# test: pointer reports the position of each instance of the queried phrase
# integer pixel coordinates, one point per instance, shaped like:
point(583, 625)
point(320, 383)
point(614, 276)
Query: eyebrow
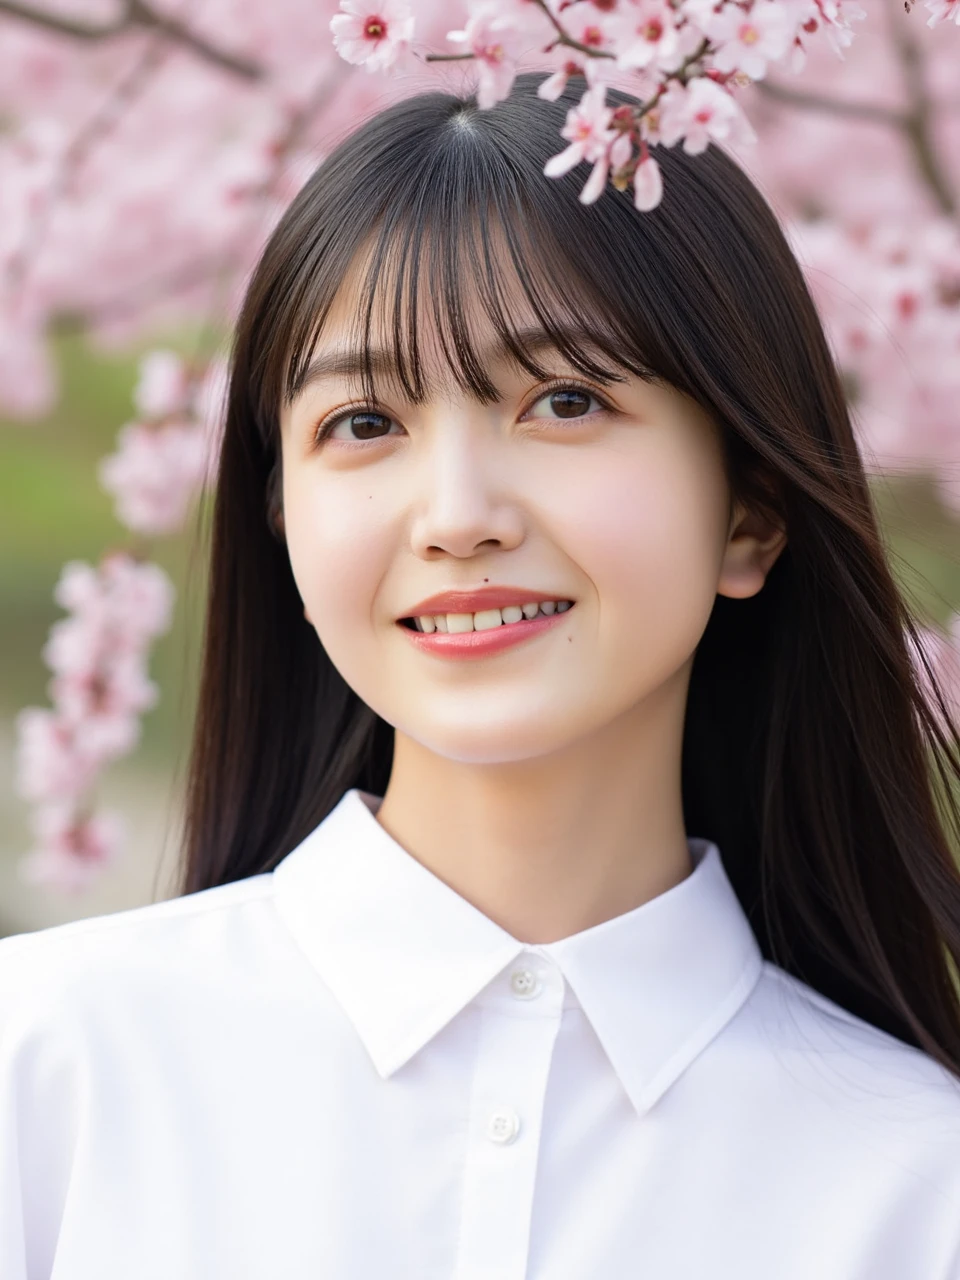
point(349, 363)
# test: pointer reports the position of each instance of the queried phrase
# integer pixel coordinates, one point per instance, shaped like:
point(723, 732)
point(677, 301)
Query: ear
point(753, 546)
point(276, 525)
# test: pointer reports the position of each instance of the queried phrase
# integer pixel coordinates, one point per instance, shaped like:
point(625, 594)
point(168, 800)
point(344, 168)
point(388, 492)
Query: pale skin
point(541, 783)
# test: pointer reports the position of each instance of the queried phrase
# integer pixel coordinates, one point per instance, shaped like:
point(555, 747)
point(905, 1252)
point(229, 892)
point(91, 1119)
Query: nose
point(466, 504)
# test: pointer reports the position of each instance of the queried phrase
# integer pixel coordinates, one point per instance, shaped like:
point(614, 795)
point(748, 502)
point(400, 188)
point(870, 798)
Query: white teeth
point(457, 622)
point(487, 619)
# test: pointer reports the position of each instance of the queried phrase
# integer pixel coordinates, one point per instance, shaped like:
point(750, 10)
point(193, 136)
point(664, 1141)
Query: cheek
point(649, 535)
point(334, 539)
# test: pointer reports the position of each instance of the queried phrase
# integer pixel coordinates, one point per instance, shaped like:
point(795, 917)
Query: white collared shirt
point(342, 1070)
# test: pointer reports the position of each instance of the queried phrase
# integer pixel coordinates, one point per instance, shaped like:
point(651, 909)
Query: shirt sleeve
point(40, 1109)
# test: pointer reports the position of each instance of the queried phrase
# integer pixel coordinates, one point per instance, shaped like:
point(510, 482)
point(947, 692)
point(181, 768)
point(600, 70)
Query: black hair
point(812, 754)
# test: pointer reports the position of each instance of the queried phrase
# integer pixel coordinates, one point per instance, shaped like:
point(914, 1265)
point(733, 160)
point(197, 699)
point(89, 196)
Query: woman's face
point(613, 497)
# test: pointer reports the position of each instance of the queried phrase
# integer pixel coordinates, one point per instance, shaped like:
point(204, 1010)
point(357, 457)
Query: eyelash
point(326, 427)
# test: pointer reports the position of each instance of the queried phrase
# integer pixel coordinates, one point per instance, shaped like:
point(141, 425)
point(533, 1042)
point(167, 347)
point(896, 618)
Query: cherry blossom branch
point(99, 655)
point(918, 125)
point(136, 14)
point(564, 38)
point(688, 57)
point(915, 123)
point(259, 195)
point(873, 113)
point(124, 93)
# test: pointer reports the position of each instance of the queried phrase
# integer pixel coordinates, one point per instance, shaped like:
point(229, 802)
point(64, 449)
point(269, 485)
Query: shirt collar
point(403, 953)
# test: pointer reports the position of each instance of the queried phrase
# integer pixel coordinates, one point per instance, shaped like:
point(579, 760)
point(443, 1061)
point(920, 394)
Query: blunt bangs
point(453, 244)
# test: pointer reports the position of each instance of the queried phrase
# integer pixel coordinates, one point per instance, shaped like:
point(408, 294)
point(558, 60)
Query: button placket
point(514, 1050)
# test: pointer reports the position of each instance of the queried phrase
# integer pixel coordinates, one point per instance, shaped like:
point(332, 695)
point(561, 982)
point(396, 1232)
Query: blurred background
point(145, 154)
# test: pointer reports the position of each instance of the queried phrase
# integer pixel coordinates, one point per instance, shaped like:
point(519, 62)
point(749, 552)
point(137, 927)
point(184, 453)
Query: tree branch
point(871, 112)
point(915, 123)
point(919, 122)
point(64, 26)
point(135, 14)
point(124, 93)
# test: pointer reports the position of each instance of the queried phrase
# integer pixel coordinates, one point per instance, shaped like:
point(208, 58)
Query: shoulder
point(804, 1016)
point(836, 1068)
point(59, 968)
point(842, 1099)
point(841, 1116)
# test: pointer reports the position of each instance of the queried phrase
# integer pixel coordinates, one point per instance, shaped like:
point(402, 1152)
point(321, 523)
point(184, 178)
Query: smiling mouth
point(412, 625)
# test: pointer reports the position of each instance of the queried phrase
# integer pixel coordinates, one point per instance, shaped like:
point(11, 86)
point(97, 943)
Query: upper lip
point(482, 598)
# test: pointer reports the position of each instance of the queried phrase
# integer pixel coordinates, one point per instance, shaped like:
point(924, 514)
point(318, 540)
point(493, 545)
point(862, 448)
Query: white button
point(503, 1126)
point(525, 984)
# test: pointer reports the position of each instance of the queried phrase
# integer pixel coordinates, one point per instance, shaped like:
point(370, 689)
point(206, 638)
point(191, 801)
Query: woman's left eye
point(568, 400)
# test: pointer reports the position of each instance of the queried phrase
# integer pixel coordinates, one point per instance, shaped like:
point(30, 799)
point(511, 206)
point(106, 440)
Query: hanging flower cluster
point(687, 57)
point(167, 455)
point(99, 653)
point(98, 689)
point(895, 329)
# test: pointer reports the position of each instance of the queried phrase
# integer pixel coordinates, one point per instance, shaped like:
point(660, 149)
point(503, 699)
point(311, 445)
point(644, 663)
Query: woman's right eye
point(364, 424)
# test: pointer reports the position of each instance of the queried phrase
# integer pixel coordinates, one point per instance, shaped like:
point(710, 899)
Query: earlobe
point(750, 554)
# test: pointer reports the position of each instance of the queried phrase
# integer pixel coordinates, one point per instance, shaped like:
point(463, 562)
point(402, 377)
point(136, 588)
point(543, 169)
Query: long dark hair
point(813, 754)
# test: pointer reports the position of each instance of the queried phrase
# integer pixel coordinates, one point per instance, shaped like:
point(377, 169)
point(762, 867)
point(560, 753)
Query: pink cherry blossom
point(78, 586)
point(163, 388)
point(834, 18)
point(47, 763)
point(554, 85)
point(646, 34)
point(140, 597)
point(588, 129)
point(155, 474)
point(700, 113)
point(747, 41)
point(496, 49)
point(647, 185)
point(895, 326)
point(100, 684)
point(615, 156)
point(943, 11)
point(72, 850)
point(374, 35)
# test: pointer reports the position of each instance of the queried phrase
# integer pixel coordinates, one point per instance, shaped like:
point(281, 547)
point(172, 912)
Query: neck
point(548, 847)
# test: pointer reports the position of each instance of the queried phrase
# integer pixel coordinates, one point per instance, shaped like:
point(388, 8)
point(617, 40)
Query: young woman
point(569, 886)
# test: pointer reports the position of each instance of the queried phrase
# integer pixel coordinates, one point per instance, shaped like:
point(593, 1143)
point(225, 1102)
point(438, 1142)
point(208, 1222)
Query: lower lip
point(477, 644)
